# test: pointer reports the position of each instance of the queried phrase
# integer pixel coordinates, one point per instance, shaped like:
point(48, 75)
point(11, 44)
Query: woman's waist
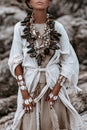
point(42, 79)
point(41, 68)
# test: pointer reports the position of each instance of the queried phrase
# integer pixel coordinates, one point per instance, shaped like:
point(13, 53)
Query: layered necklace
point(49, 39)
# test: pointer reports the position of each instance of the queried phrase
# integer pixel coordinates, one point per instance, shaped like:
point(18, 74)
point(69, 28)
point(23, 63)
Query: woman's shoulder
point(18, 27)
point(57, 23)
point(59, 26)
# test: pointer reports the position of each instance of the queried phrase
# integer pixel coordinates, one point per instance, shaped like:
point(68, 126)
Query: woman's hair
point(26, 2)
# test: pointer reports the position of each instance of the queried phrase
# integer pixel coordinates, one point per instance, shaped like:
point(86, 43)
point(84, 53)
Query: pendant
point(34, 32)
point(50, 38)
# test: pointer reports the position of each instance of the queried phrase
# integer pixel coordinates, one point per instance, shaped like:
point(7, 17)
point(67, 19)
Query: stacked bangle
point(52, 96)
point(61, 80)
point(20, 82)
point(19, 77)
point(27, 101)
point(23, 87)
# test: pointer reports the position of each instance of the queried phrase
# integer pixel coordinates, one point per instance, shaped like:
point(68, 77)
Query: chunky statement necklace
point(49, 39)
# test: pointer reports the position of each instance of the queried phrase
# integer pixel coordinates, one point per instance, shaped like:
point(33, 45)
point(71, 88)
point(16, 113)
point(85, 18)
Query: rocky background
point(73, 15)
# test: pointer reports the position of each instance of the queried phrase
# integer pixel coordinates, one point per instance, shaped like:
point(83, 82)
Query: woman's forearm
point(59, 84)
point(56, 89)
point(19, 71)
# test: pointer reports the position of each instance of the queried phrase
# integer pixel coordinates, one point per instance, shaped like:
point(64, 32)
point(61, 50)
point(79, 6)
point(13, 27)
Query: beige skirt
point(29, 119)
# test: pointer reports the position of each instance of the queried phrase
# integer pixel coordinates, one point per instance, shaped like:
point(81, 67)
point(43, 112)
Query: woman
point(45, 66)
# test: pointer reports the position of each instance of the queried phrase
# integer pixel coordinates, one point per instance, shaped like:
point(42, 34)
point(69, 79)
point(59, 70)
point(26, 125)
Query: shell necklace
point(49, 39)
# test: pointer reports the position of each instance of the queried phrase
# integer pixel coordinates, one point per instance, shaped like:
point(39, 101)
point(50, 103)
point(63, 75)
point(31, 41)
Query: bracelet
point(61, 80)
point(30, 99)
point(20, 83)
point(27, 101)
point(55, 98)
point(23, 87)
point(19, 77)
point(52, 96)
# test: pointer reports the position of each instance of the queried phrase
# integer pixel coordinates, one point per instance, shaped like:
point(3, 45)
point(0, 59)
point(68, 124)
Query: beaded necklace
point(49, 39)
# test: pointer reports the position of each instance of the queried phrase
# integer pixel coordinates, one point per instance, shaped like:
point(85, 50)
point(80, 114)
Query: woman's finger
point(27, 109)
point(47, 98)
point(31, 109)
point(33, 104)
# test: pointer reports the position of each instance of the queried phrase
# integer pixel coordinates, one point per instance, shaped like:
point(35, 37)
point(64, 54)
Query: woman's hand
point(53, 95)
point(28, 104)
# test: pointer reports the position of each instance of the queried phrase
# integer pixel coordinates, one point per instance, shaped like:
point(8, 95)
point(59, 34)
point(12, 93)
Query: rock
point(6, 33)
point(83, 67)
point(6, 121)
point(82, 77)
point(11, 15)
point(8, 86)
point(84, 118)
point(66, 21)
point(80, 37)
point(2, 50)
point(79, 100)
point(5, 55)
point(74, 8)
point(5, 40)
point(84, 62)
point(8, 105)
point(77, 32)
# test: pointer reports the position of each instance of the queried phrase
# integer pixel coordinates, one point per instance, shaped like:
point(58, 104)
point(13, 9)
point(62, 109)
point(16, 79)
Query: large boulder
point(77, 32)
point(10, 15)
point(79, 100)
point(8, 105)
point(8, 86)
point(80, 37)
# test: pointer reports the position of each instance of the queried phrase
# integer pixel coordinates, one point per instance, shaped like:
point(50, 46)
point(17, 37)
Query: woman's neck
point(40, 16)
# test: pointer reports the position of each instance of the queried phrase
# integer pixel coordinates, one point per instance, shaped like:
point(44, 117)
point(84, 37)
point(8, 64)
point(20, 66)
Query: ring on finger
point(55, 98)
point(51, 103)
point(30, 108)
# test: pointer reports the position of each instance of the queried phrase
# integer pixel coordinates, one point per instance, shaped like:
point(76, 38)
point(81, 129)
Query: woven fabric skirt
point(29, 119)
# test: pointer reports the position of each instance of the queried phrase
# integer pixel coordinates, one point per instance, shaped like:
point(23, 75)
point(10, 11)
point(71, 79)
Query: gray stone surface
point(75, 23)
point(8, 86)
